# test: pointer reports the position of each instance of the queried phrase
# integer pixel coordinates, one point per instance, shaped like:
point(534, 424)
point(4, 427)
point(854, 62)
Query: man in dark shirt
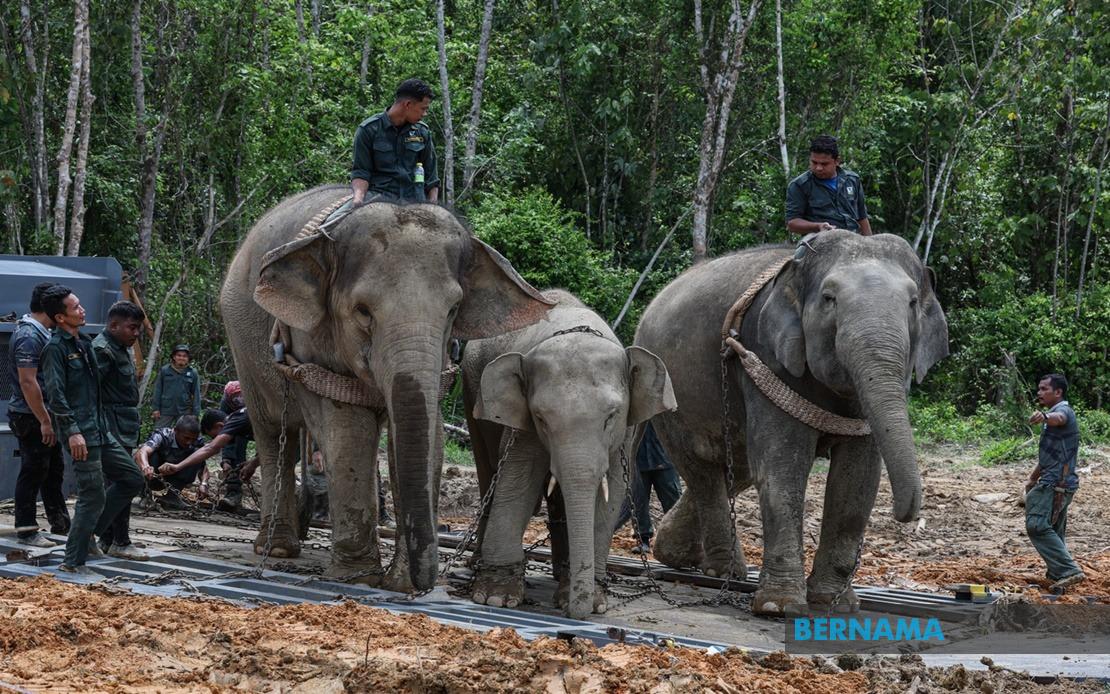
point(177, 389)
point(73, 395)
point(222, 430)
point(119, 392)
point(41, 467)
point(1053, 482)
point(653, 471)
point(165, 448)
point(234, 454)
point(393, 152)
point(827, 196)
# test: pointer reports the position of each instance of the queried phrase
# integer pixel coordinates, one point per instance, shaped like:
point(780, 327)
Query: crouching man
point(222, 429)
point(166, 448)
point(73, 392)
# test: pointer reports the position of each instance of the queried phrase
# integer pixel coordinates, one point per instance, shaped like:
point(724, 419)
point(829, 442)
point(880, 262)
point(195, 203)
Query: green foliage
point(1008, 450)
point(455, 453)
point(544, 244)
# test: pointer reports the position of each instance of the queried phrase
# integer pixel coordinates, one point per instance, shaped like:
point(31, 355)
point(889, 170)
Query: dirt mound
point(93, 639)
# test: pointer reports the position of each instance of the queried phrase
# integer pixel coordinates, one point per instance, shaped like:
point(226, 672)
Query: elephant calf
point(572, 395)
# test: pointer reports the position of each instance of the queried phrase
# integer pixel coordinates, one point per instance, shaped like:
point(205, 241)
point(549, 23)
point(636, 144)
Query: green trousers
point(95, 508)
point(1048, 537)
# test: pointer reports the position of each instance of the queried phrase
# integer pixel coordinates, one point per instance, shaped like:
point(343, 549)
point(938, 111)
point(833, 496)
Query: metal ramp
point(178, 574)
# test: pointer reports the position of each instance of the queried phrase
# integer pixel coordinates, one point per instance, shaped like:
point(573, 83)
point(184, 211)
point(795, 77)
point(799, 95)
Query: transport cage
point(95, 280)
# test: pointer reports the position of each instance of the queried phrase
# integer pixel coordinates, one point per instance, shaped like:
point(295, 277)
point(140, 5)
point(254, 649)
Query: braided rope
point(312, 226)
point(348, 389)
point(782, 395)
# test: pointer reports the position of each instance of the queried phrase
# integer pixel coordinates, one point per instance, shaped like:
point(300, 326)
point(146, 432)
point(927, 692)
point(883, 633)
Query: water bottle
point(418, 176)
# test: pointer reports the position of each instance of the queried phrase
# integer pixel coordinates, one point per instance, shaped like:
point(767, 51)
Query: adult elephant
point(558, 400)
point(844, 324)
point(373, 300)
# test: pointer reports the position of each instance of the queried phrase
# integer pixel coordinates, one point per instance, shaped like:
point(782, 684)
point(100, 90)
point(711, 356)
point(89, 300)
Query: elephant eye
point(362, 309)
point(913, 302)
point(829, 298)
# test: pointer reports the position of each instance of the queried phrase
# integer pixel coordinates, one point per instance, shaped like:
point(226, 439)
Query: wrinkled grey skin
point(379, 303)
point(845, 326)
point(568, 404)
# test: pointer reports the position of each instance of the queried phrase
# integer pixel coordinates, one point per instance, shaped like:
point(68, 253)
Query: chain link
point(280, 463)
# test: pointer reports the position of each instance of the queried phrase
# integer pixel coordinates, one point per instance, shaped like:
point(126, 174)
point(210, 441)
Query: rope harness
point(782, 395)
point(318, 379)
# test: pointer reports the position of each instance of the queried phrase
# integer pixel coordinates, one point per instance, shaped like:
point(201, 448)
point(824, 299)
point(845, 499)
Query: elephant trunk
point(878, 360)
point(412, 364)
point(581, 489)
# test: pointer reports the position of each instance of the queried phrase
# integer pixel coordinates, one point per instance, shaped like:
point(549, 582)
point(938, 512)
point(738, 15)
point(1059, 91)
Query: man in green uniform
point(393, 153)
point(119, 394)
point(827, 196)
point(73, 393)
point(177, 390)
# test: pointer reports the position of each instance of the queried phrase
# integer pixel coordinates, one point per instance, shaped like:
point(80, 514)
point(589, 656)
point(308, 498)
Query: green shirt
point(119, 392)
point(73, 388)
point(177, 392)
point(385, 156)
point(809, 199)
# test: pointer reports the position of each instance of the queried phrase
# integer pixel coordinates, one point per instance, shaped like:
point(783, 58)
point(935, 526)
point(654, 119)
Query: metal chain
point(487, 499)
point(848, 581)
point(282, 441)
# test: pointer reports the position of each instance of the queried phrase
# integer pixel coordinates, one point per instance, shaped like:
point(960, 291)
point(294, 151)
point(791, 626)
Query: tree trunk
point(314, 8)
point(653, 156)
point(721, 81)
point(61, 198)
point(475, 116)
point(364, 64)
point(782, 92)
point(40, 178)
point(447, 176)
point(77, 220)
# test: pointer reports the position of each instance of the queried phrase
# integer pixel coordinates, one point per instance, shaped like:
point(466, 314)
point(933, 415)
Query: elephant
point(556, 402)
point(375, 298)
point(844, 324)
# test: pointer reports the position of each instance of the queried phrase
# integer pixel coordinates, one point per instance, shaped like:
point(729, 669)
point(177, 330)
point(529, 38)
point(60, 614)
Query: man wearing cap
point(393, 152)
point(177, 390)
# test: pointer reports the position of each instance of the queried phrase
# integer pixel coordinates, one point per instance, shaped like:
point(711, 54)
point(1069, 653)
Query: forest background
point(602, 145)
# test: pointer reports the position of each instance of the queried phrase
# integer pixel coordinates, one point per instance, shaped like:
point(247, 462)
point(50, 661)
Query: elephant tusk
point(605, 489)
point(551, 486)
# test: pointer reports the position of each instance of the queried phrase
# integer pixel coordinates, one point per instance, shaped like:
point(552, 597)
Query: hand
point(148, 471)
point(1029, 484)
point(46, 431)
point(202, 491)
point(226, 467)
point(825, 226)
point(1037, 417)
point(247, 471)
point(318, 462)
point(168, 468)
point(157, 414)
point(77, 448)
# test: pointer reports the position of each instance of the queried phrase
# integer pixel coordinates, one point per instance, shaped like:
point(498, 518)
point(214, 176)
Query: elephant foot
point(677, 555)
point(499, 586)
point(367, 572)
point(562, 598)
point(719, 565)
point(773, 601)
point(397, 578)
point(283, 544)
point(833, 600)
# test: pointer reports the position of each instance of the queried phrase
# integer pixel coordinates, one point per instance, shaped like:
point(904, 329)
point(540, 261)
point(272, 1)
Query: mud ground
point(57, 637)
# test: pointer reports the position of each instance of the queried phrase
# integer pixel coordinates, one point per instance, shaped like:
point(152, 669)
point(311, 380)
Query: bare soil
point(55, 636)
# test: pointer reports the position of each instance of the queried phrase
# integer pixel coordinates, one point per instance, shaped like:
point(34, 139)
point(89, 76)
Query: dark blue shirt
point(163, 443)
point(1060, 446)
point(26, 347)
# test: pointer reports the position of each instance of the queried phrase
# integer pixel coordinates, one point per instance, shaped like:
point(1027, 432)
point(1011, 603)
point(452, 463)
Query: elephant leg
point(485, 438)
point(781, 462)
point(560, 543)
point(606, 515)
point(344, 434)
point(850, 493)
point(500, 578)
point(678, 536)
point(277, 536)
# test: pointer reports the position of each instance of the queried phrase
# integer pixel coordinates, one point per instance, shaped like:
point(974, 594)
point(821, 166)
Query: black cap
point(181, 348)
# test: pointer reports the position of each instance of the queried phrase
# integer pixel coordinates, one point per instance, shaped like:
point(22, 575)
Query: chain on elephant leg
point(354, 562)
point(499, 586)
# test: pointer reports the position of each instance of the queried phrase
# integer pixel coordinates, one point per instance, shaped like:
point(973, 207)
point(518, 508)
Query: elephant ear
point(497, 299)
point(293, 282)
point(932, 335)
point(649, 386)
point(780, 321)
point(501, 397)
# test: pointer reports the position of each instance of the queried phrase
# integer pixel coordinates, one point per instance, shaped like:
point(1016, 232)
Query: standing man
point(827, 196)
point(177, 389)
point(653, 471)
point(234, 453)
point(41, 466)
point(120, 399)
point(1053, 482)
point(393, 153)
point(73, 396)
